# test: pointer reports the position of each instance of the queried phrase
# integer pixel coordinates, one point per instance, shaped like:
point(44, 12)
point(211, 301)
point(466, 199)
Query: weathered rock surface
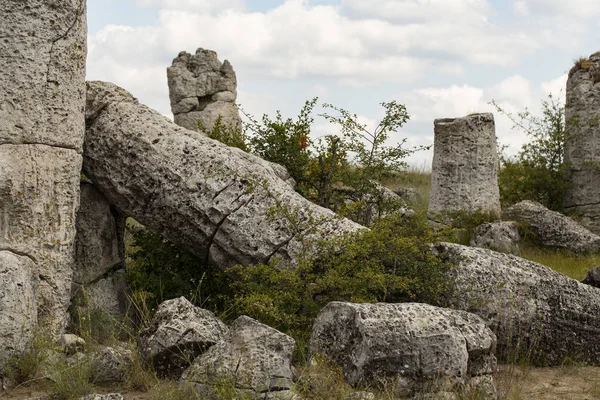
point(100, 252)
point(502, 236)
point(552, 229)
point(411, 343)
point(18, 316)
point(593, 277)
point(42, 75)
point(256, 357)
point(179, 333)
point(110, 396)
point(111, 364)
point(465, 166)
point(214, 200)
point(201, 89)
point(525, 302)
point(582, 144)
point(71, 344)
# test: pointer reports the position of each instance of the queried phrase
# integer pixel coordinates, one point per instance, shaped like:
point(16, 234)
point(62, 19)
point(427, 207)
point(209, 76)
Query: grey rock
point(208, 198)
point(179, 333)
point(409, 194)
point(465, 166)
point(100, 253)
point(281, 395)
point(411, 343)
point(582, 144)
point(552, 229)
point(525, 302)
point(111, 364)
point(71, 344)
point(254, 356)
point(111, 396)
point(42, 76)
point(18, 316)
point(361, 396)
point(593, 277)
point(201, 89)
point(502, 236)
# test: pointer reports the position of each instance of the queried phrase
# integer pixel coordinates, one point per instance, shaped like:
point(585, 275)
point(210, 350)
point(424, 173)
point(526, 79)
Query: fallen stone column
point(201, 89)
point(42, 92)
point(100, 249)
point(218, 202)
point(529, 307)
point(582, 142)
point(465, 166)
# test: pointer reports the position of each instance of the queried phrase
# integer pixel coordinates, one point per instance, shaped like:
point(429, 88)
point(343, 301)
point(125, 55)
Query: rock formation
point(465, 166)
point(415, 345)
point(526, 304)
point(201, 89)
point(254, 357)
point(502, 236)
point(552, 229)
point(582, 143)
point(218, 202)
point(100, 250)
point(42, 76)
point(179, 333)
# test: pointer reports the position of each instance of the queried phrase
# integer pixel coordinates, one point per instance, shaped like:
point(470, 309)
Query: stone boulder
point(412, 344)
point(179, 333)
point(100, 252)
point(111, 364)
point(502, 236)
point(593, 277)
point(42, 76)
point(552, 229)
point(201, 89)
point(255, 357)
point(526, 304)
point(220, 203)
point(464, 174)
point(582, 144)
point(70, 344)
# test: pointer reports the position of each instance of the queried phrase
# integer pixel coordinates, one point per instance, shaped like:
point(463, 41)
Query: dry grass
point(580, 63)
point(418, 178)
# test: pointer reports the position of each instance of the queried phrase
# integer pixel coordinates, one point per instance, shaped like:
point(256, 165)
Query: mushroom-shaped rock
point(255, 356)
point(552, 229)
point(526, 302)
point(412, 343)
point(179, 333)
point(220, 203)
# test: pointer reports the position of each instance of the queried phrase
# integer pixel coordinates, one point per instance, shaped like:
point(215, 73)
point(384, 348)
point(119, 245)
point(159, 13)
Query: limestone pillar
point(465, 166)
point(42, 98)
point(201, 88)
point(582, 144)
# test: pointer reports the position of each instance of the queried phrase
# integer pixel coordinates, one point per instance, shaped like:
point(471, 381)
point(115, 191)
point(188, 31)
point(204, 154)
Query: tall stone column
point(465, 166)
point(201, 89)
point(582, 144)
point(42, 98)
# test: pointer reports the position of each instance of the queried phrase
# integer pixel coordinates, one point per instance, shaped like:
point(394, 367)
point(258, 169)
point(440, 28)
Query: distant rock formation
point(582, 143)
point(42, 97)
point(201, 89)
point(100, 250)
point(220, 203)
point(465, 166)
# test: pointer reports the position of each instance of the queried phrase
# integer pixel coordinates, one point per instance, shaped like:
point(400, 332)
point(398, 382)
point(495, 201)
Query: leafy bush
point(227, 134)
point(538, 172)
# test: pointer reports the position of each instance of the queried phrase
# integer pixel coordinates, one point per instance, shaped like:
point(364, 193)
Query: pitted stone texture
point(500, 236)
point(39, 195)
point(179, 333)
point(211, 199)
point(111, 364)
point(465, 166)
point(108, 294)
point(413, 343)
point(255, 356)
point(201, 89)
point(552, 229)
point(18, 314)
point(582, 143)
point(593, 277)
point(42, 72)
point(525, 301)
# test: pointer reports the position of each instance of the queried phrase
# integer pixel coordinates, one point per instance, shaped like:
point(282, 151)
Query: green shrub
point(70, 380)
point(227, 134)
point(24, 366)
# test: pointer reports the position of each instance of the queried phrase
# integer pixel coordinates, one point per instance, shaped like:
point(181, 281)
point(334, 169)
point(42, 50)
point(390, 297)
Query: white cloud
point(203, 6)
point(580, 8)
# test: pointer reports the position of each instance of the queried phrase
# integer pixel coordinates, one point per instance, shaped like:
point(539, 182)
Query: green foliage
point(464, 222)
point(227, 134)
point(24, 366)
point(392, 262)
point(538, 172)
point(157, 270)
point(92, 323)
point(70, 380)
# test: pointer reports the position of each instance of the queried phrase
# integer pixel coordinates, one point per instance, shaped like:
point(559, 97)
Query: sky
point(440, 58)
